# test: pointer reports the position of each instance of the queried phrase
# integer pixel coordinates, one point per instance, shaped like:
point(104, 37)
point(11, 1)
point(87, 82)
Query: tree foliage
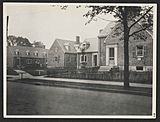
point(134, 14)
point(18, 41)
point(128, 17)
point(38, 44)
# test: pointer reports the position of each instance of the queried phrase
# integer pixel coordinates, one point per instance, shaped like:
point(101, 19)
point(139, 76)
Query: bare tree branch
point(140, 17)
point(142, 29)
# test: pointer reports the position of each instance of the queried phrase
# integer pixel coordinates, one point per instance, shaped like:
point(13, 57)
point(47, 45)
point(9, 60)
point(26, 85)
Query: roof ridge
point(60, 46)
point(64, 40)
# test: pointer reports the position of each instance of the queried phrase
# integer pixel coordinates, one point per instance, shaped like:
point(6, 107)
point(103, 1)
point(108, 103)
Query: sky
point(45, 23)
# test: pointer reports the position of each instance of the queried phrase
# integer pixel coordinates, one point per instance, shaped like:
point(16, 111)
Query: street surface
point(26, 99)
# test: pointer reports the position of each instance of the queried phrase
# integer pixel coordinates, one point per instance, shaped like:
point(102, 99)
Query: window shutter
point(145, 51)
point(85, 58)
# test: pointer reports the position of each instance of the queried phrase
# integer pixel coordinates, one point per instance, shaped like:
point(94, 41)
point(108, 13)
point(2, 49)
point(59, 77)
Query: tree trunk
point(126, 52)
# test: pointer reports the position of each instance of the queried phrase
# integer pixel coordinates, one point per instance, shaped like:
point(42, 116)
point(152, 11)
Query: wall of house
point(89, 59)
point(102, 51)
point(55, 56)
point(134, 61)
point(70, 60)
point(29, 62)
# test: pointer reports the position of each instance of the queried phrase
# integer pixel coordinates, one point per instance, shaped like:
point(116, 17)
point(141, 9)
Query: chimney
point(77, 39)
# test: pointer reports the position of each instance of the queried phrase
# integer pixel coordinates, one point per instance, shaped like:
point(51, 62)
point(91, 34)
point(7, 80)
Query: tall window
point(140, 51)
point(27, 53)
point(17, 52)
point(68, 58)
point(29, 61)
point(83, 58)
point(111, 53)
point(36, 53)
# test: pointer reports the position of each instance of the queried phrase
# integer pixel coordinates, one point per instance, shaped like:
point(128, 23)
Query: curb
point(88, 86)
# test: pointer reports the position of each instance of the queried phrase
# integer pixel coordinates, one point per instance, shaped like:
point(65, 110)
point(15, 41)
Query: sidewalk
point(117, 83)
point(106, 86)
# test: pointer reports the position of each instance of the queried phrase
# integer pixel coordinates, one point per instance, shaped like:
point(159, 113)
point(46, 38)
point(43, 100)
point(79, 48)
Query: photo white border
point(153, 116)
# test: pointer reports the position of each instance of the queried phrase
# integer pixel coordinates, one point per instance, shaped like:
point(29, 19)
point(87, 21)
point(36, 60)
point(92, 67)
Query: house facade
point(111, 49)
point(21, 57)
point(63, 54)
point(89, 56)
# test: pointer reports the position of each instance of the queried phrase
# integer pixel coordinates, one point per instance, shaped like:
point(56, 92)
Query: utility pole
point(7, 28)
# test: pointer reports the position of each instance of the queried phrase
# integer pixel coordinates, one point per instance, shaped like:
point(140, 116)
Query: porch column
point(115, 53)
point(107, 56)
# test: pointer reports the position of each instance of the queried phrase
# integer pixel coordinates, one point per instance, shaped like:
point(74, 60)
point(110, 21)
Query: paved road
point(26, 99)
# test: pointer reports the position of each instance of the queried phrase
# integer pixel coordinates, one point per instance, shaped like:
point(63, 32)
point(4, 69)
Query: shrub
point(10, 71)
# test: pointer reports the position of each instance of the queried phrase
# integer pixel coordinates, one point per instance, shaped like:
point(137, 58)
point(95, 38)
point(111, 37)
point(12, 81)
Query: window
point(56, 58)
point(83, 58)
point(140, 51)
point(28, 53)
point(36, 53)
point(68, 58)
point(67, 46)
point(37, 61)
point(111, 53)
point(29, 61)
point(45, 54)
point(139, 68)
point(17, 52)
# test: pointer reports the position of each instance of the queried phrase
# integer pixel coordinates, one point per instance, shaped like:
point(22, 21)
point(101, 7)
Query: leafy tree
point(38, 44)
point(128, 16)
point(18, 41)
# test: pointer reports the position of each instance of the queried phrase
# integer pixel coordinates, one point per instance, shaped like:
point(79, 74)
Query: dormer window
point(17, 52)
point(36, 53)
point(45, 54)
point(28, 53)
point(67, 46)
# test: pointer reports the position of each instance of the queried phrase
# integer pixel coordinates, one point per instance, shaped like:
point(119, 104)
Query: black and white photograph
point(79, 60)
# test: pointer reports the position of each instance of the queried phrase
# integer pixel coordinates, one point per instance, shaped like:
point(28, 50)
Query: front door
point(94, 60)
point(111, 56)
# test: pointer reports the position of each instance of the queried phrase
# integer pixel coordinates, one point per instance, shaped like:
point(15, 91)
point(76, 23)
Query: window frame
point(29, 61)
point(28, 53)
point(138, 51)
point(36, 53)
point(139, 69)
point(113, 57)
point(84, 58)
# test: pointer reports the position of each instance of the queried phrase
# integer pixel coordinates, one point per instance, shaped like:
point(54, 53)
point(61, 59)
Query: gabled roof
point(107, 30)
point(110, 27)
point(93, 44)
point(23, 49)
point(62, 44)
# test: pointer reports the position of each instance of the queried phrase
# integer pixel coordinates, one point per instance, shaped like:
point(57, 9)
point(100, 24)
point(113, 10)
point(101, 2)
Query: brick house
point(22, 57)
point(63, 54)
point(90, 53)
point(111, 49)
